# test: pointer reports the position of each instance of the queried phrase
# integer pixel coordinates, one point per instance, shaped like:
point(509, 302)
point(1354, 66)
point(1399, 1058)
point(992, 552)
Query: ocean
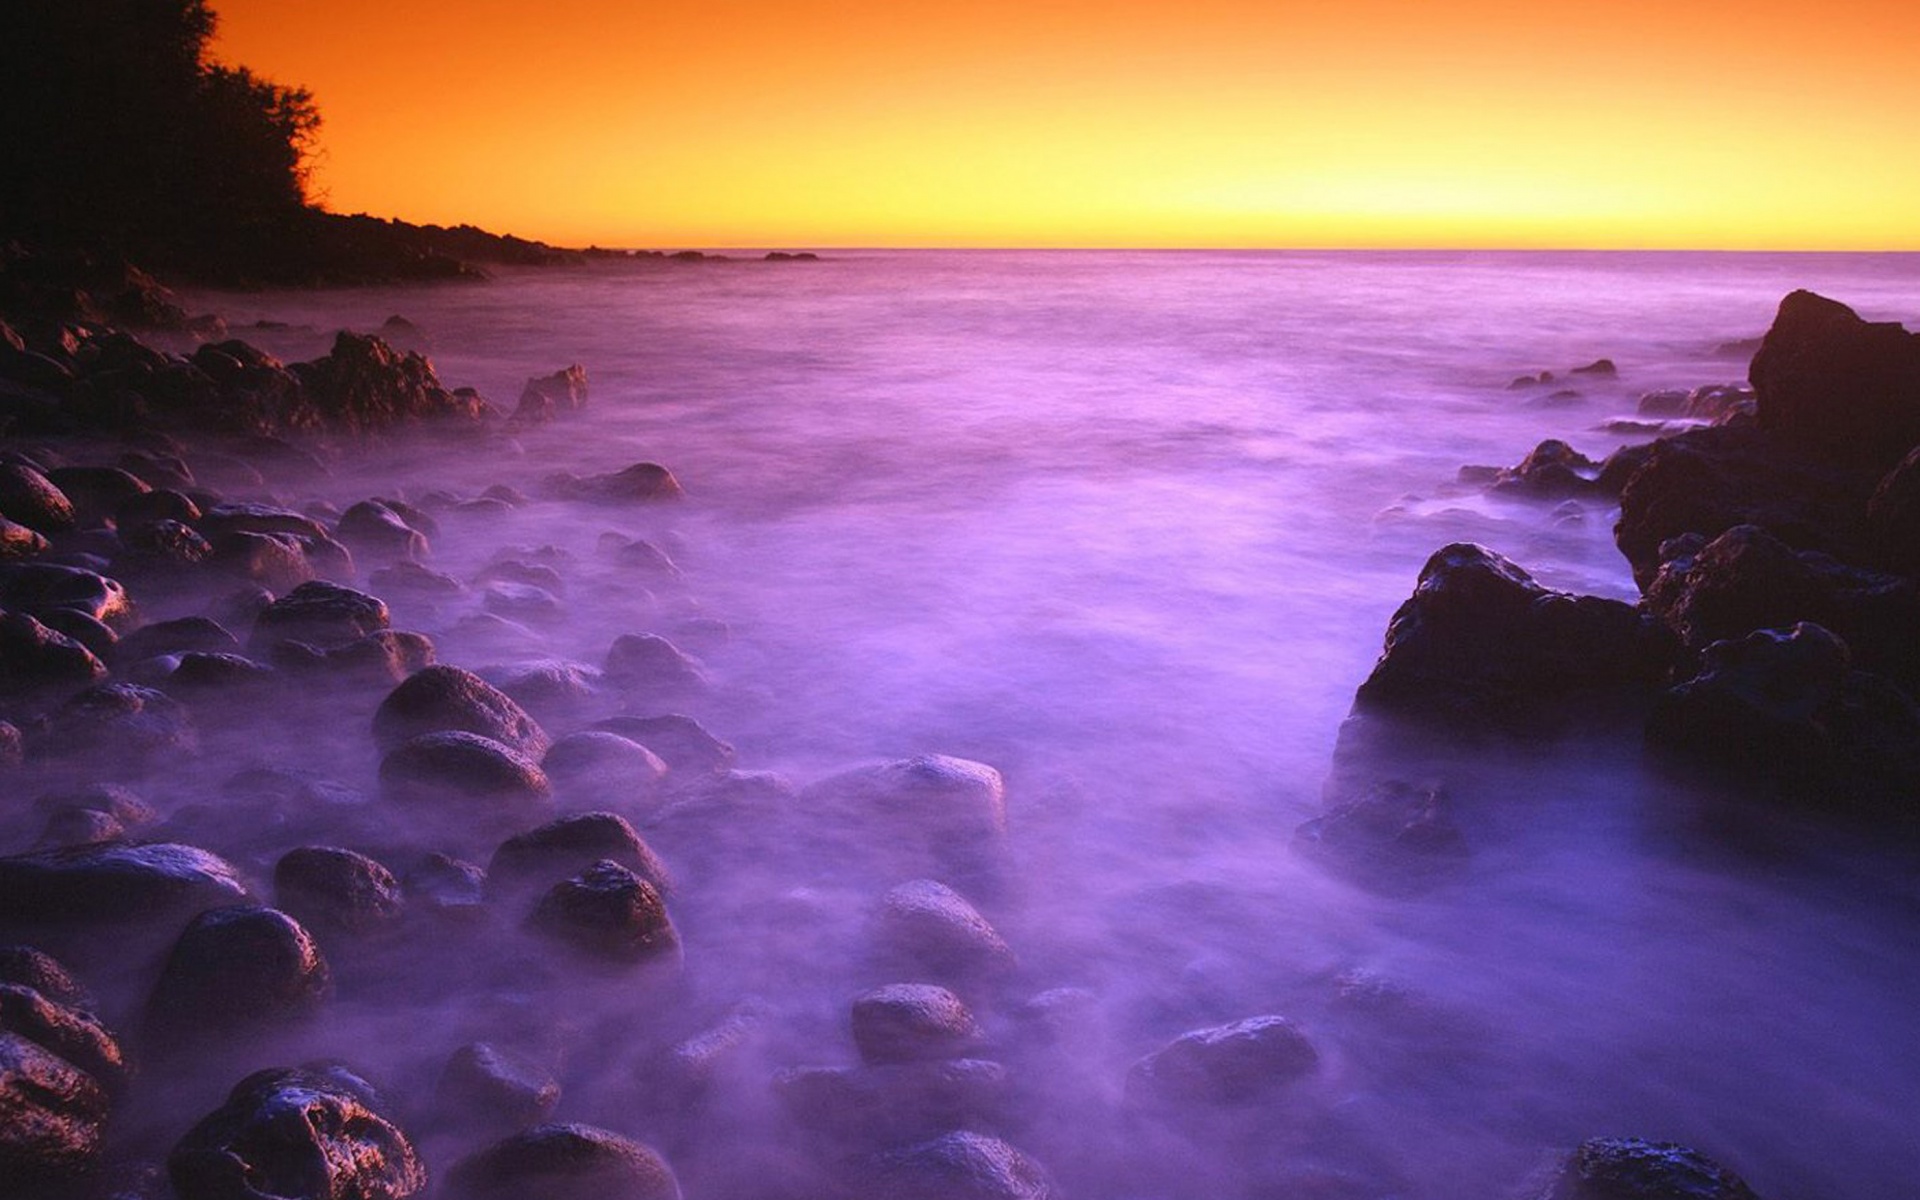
point(1129, 527)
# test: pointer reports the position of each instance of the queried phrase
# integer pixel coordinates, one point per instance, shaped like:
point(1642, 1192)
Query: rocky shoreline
point(264, 823)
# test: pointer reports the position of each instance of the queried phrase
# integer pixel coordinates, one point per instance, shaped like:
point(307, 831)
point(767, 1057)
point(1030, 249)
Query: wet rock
point(962, 1165)
point(1480, 643)
point(17, 542)
point(680, 741)
point(641, 483)
point(97, 492)
point(1551, 469)
point(568, 846)
point(235, 971)
point(166, 550)
point(12, 746)
point(331, 890)
point(80, 827)
point(134, 728)
point(645, 662)
point(29, 498)
point(907, 1022)
point(1837, 385)
point(928, 930)
point(36, 660)
point(1719, 402)
point(486, 1087)
point(640, 556)
point(276, 561)
point(611, 914)
point(595, 763)
point(1225, 1064)
point(888, 1105)
point(376, 530)
point(295, 1133)
point(442, 698)
point(1602, 367)
point(411, 579)
point(522, 602)
point(126, 809)
point(547, 396)
point(1631, 1169)
point(52, 1116)
point(564, 1162)
point(241, 517)
point(685, 1075)
point(68, 1032)
point(114, 884)
point(447, 885)
point(95, 635)
point(1893, 516)
point(200, 677)
point(320, 614)
point(552, 691)
point(182, 636)
point(378, 660)
point(467, 776)
point(935, 792)
point(1391, 834)
point(364, 386)
point(36, 969)
point(37, 587)
point(1668, 402)
point(159, 505)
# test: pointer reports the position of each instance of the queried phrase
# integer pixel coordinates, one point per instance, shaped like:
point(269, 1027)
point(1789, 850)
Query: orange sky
point(671, 123)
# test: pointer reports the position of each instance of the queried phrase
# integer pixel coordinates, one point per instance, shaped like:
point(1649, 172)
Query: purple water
point(1129, 527)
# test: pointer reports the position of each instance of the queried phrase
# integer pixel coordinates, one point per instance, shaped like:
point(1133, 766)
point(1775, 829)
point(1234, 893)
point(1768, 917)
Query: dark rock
point(52, 1116)
point(443, 698)
point(12, 746)
point(550, 690)
point(157, 471)
point(1706, 481)
point(485, 1087)
point(907, 1022)
point(36, 969)
point(564, 1162)
point(446, 885)
point(137, 728)
point(182, 636)
point(320, 614)
point(97, 492)
point(364, 386)
point(568, 846)
point(1668, 402)
point(680, 741)
point(544, 397)
point(201, 676)
point(374, 529)
point(650, 663)
point(1631, 1169)
point(94, 634)
point(902, 1102)
point(928, 815)
point(597, 763)
point(468, 777)
point(277, 561)
point(80, 827)
point(121, 884)
point(609, 913)
point(641, 556)
point(641, 483)
point(1551, 469)
point(1226, 1064)
point(522, 602)
point(331, 890)
point(30, 498)
point(1834, 384)
point(1391, 834)
point(164, 547)
point(61, 1029)
point(931, 931)
point(234, 971)
point(1601, 367)
point(1719, 402)
point(37, 660)
point(1893, 516)
point(1481, 643)
point(410, 578)
point(127, 809)
point(17, 542)
point(295, 1134)
point(36, 587)
point(378, 660)
point(961, 1165)
point(258, 518)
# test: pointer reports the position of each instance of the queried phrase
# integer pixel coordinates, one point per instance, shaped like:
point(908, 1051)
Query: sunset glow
point(1070, 123)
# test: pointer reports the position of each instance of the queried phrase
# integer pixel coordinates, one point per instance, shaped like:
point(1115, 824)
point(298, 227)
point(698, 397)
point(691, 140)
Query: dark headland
point(171, 593)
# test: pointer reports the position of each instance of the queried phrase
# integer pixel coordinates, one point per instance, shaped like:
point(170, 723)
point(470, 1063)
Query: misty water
point(1129, 528)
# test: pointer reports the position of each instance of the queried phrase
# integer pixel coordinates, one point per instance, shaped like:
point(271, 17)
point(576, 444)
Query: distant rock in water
point(365, 385)
point(548, 396)
point(1631, 1169)
point(641, 483)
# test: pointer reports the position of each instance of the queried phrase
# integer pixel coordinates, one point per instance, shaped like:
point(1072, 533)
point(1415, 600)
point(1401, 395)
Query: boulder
point(364, 386)
point(97, 492)
point(295, 1133)
point(374, 529)
point(235, 971)
point(1550, 470)
point(547, 396)
point(38, 588)
point(31, 499)
point(596, 765)
point(181, 636)
point(444, 698)
point(680, 741)
point(1480, 644)
point(1835, 385)
point(1391, 834)
point(1632, 1169)
point(52, 1116)
point(36, 969)
point(564, 1162)
point(486, 1087)
point(275, 561)
point(925, 929)
point(35, 660)
point(18, 543)
point(649, 663)
point(961, 1165)
point(331, 890)
point(1893, 517)
point(611, 914)
point(908, 1022)
point(641, 483)
point(468, 778)
point(1227, 1064)
point(134, 728)
point(321, 614)
point(64, 1030)
point(566, 847)
point(114, 884)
